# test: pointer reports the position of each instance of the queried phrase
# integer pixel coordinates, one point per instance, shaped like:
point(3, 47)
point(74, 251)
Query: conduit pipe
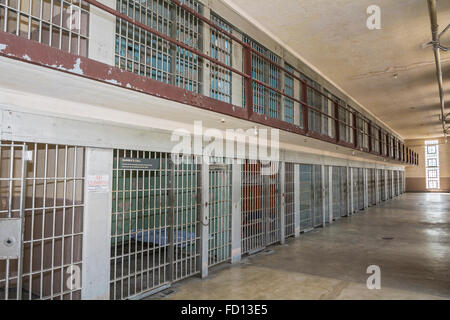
point(437, 47)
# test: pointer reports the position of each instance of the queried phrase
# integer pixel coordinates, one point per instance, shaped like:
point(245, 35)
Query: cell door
point(336, 190)
point(317, 196)
point(220, 210)
point(360, 189)
point(306, 198)
point(344, 192)
point(260, 194)
point(389, 184)
point(372, 194)
point(155, 221)
point(41, 219)
point(327, 194)
point(382, 180)
point(289, 200)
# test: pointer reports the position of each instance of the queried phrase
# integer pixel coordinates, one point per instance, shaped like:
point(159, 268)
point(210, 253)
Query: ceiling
point(389, 71)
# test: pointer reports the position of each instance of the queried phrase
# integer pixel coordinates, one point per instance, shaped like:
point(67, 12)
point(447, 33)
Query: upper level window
point(432, 164)
point(220, 78)
point(289, 90)
point(59, 24)
point(143, 53)
point(265, 101)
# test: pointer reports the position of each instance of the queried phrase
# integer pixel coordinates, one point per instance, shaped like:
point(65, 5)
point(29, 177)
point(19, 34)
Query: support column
point(352, 195)
point(297, 200)
point(236, 219)
point(330, 194)
point(377, 190)
point(282, 202)
point(324, 208)
point(97, 224)
point(385, 172)
point(204, 219)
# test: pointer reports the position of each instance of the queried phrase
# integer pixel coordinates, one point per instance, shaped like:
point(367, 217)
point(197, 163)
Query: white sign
point(98, 184)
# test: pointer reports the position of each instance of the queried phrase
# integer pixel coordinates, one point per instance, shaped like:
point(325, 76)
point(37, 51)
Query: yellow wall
point(415, 175)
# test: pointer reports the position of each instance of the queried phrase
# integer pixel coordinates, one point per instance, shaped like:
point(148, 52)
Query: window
point(314, 99)
point(59, 24)
point(265, 101)
point(145, 54)
point(220, 78)
point(289, 90)
point(432, 164)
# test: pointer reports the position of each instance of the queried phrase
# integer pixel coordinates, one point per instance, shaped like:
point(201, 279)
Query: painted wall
point(415, 176)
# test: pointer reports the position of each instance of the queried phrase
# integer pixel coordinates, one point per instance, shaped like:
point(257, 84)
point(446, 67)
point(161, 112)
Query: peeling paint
point(113, 81)
point(128, 85)
point(2, 47)
point(76, 67)
point(27, 57)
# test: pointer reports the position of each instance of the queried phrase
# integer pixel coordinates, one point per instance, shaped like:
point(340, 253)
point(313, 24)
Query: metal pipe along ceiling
point(436, 48)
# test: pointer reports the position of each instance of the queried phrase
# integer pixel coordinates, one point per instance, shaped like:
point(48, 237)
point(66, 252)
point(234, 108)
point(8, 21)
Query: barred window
point(315, 100)
point(220, 78)
point(289, 90)
point(143, 53)
point(432, 164)
point(60, 24)
point(265, 101)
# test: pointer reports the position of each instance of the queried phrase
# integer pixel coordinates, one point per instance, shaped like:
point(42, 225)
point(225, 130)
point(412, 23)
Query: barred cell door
point(360, 189)
point(41, 219)
point(382, 180)
point(306, 198)
point(220, 210)
point(336, 192)
point(12, 219)
point(289, 200)
point(355, 189)
point(317, 187)
point(344, 192)
point(260, 194)
point(155, 238)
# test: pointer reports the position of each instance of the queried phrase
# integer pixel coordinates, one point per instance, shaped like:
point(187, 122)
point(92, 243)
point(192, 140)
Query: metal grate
point(143, 53)
point(289, 200)
point(260, 206)
point(336, 190)
point(220, 211)
point(253, 217)
point(327, 194)
point(155, 217)
point(59, 24)
point(265, 101)
point(389, 183)
point(44, 189)
point(371, 187)
point(221, 46)
point(289, 90)
point(317, 196)
point(382, 186)
point(360, 189)
point(306, 198)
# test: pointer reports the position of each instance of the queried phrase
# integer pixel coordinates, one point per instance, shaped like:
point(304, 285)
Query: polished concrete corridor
point(408, 238)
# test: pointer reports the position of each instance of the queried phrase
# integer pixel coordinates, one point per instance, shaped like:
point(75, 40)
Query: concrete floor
point(331, 263)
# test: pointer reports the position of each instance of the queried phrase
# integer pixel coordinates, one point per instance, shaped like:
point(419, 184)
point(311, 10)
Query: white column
point(324, 207)
point(204, 219)
point(366, 188)
point(97, 224)
point(330, 193)
point(352, 187)
point(297, 200)
point(283, 203)
point(236, 250)
point(377, 190)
